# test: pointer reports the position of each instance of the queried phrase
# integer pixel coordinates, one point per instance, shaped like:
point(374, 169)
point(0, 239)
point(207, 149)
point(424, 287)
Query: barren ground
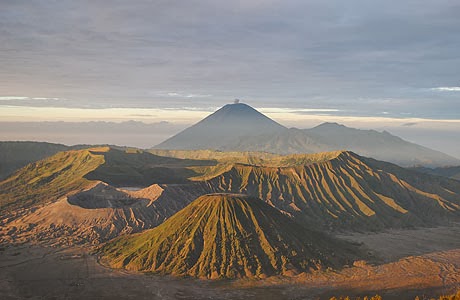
point(421, 261)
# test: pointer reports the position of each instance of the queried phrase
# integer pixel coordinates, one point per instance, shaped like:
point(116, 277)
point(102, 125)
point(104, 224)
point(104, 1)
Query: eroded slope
point(227, 235)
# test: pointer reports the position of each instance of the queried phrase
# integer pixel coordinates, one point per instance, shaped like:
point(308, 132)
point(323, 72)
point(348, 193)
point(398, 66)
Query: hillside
point(97, 214)
point(227, 236)
point(71, 171)
point(450, 172)
point(15, 155)
point(289, 141)
point(346, 191)
point(250, 157)
point(48, 179)
point(62, 199)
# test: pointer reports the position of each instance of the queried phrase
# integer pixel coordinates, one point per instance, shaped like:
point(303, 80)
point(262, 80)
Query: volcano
point(228, 236)
point(223, 127)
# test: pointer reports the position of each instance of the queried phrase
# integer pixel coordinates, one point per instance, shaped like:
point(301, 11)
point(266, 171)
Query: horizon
point(438, 135)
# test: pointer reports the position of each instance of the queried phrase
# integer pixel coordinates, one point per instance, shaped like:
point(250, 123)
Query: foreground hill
point(227, 236)
point(15, 155)
point(239, 127)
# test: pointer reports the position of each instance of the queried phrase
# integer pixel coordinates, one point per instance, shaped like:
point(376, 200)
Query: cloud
point(447, 89)
point(184, 95)
point(409, 124)
point(7, 98)
point(299, 111)
point(20, 98)
point(33, 101)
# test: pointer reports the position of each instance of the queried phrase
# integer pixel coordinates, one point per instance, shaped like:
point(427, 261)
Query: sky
point(369, 64)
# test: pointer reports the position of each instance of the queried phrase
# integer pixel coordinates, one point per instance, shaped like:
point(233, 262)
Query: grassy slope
point(139, 168)
point(64, 172)
point(48, 179)
point(226, 236)
point(15, 155)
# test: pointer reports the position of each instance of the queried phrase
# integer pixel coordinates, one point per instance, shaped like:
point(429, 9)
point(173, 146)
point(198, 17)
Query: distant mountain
point(332, 137)
point(223, 127)
point(228, 236)
point(450, 172)
point(288, 141)
point(239, 127)
point(379, 145)
point(15, 155)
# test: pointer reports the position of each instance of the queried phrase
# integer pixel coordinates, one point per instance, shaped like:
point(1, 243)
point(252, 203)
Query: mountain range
point(93, 195)
point(239, 127)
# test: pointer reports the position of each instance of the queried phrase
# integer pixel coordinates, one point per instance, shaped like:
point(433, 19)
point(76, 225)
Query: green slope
point(139, 168)
point(56, 176)
point(15, 155)
point(227, 236)
point(48, 179)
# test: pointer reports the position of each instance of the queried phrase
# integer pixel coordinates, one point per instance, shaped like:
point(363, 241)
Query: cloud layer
point(358, 57)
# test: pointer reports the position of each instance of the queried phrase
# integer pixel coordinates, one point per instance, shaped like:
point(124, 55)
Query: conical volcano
point(227, 236)
point(224, 126)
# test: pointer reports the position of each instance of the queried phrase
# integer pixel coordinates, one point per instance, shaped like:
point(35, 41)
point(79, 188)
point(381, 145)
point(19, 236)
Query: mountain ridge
point(347, 191)
point(336, 191)
point(228, 129)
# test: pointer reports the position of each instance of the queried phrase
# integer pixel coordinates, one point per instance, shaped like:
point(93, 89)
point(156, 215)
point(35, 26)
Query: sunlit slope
point(74, 170)
point(347, 191)
point(65, 199)
point(15, 155)
point(96, 215)
point(216, 156)
point(48, 179)
point(226, 235)
point(140, 168)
